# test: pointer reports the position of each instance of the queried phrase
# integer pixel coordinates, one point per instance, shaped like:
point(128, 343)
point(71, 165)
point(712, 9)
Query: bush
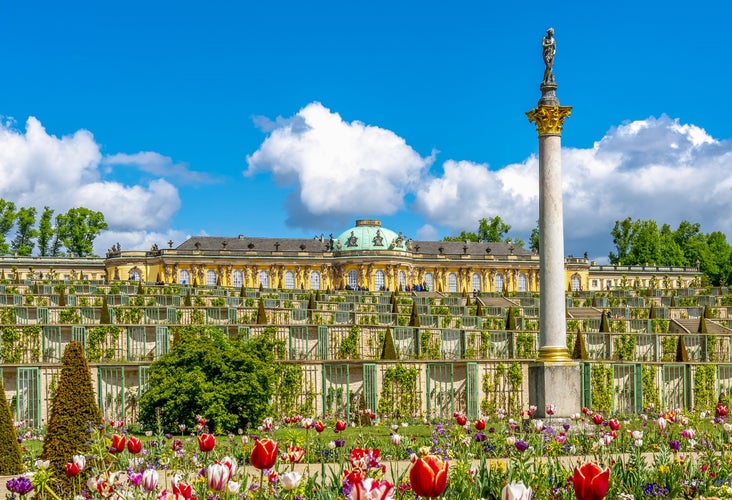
point(228, 381)
point(10, 456)
point(74, 411)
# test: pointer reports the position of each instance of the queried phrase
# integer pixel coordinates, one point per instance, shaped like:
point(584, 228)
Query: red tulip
point(72, 469)
point(428, 476)
point(206, 442)
point(614, 424)
point(184, 490)
point(134, 445)
point(590, 482)
point(295, 454)
point(264, 454)
point(461, 419)
point(479, 424)
point(319, 426)
point(597, 418)
point(340, 425)
point(721, 410)
point(118, 444)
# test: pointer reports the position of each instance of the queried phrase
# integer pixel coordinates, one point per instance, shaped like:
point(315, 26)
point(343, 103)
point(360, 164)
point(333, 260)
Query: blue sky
point(285, 118)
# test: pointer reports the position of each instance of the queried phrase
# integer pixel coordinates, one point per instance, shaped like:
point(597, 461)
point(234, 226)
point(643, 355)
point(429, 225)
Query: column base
point(558, 384)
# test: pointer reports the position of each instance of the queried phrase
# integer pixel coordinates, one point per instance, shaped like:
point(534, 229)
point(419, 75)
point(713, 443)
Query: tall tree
point(25, 233)
point(78, 228)
point(534, 238)
point(57, 244)
point(45, 232)
point(492, 229)
point(622, 234)
point(7, 220)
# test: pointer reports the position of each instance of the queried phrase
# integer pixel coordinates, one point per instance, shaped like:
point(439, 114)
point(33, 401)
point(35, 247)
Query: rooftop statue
point(550, 48)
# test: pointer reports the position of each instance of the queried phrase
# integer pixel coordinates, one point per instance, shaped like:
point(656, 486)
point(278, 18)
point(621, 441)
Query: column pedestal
point(558, 384)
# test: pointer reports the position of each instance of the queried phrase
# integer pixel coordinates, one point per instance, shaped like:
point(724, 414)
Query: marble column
point(554, 379)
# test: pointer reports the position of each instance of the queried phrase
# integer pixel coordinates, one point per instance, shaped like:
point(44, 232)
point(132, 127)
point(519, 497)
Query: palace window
point(289, 280)
point(403, 280)
point(379, 279)
point(210, 278)
point(523, 283)
point(264, 279)
point(576, 284)
point(135, 275)
point(429, 281)
point(452, 282)
point(499, 283)
point(184, 277)
point(476, 282)
point(353, 278)
point(315, 280)
point(237, 279)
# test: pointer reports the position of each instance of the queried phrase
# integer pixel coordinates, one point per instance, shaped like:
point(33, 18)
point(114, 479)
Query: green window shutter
point(472, 390)
point(78, 334)
point(162, 341)
point(28, 395)
point(586, 385)
point(171, 315)
point(370, 386)
point(51, 348)
point(233, 315)
point(688, 386)
point(143, 376)
point(638, 388)
point(243, 332)
point(42, 315)
point(323, 343)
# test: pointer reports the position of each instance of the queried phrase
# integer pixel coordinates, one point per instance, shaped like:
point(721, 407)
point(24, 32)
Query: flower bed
point(589, 456)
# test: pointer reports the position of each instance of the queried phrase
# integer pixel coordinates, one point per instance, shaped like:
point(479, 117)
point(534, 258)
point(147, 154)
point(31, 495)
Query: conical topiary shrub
point(604, 323)
point(388, 351)
point(242, 292)
point(104, 318)
point(673, 301)
point(261, 313)
point(707, 312)
point(62, 296)
point(580, 348)
point(702, 328)
point(478, 308)
point(414, 317)
point(317, 295)
point(510, 319)
point(311, 306)
point(74, 411)
point(681, 355)
point(11, 460)
point(140, 288)
point(187, 302)
point(652, 312)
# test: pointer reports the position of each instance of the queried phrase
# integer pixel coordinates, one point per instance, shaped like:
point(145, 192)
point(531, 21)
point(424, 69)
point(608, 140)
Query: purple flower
point(521, 446)
point(135, 478)
point(492, 430)
point(565, 426)
point(20, 485)
point(674, 444)
point(340, 443)
point(480, 437)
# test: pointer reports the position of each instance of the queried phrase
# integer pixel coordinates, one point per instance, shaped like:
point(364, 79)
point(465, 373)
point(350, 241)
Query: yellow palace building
point(369, 256)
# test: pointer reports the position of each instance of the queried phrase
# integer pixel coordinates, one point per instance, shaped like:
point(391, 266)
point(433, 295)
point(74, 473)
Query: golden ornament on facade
point(549, 119)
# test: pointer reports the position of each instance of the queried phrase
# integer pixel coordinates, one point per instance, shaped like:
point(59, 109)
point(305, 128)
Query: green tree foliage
point(492, 229)
point(74, 411)
point(414, 316)
point(534, 238)
point(104, 318)
point(78, 228)
point(25, 233)
point(228, 381)
point(640, 242)
point(11, 460)
point(261, 313)
point(45, 232)
point(7, 220)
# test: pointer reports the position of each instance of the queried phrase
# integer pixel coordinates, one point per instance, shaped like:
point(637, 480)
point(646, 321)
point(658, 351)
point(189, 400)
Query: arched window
point(523, 283)
point(210, 278)
point(576, 284)
point(476, 282)
point(429, 281)
point(402, 280)
point(237, 279)
point(379, 280)
point(264, 279)
point(315, 280)
point(184, 277)
point(289, 280)
point(452, 283)
point(353, 278)
point(135, 275)
point(499, 283)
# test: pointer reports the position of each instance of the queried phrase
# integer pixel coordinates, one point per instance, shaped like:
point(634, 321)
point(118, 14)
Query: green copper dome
point(368, 235)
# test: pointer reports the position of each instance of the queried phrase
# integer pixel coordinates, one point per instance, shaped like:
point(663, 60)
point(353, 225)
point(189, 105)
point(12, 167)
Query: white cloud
point(339, 169)
point(651, 169)
point(39, 169)
point(427, 232)
point(157, 164)
point(138, 240)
